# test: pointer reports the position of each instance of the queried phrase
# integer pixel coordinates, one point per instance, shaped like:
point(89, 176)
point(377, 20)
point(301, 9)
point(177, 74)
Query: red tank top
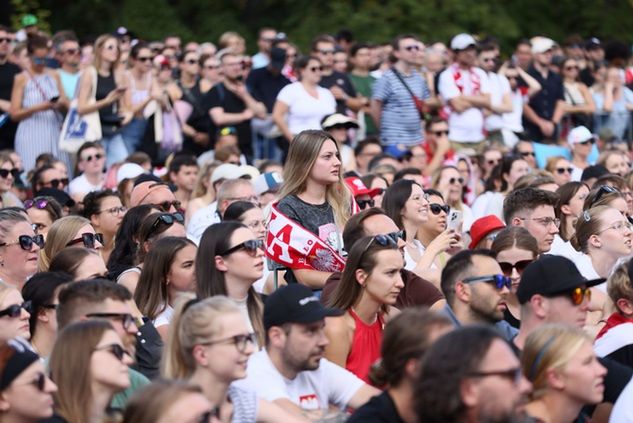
point(365, 346)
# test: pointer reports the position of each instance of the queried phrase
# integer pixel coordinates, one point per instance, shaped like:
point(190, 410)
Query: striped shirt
point(400, 120)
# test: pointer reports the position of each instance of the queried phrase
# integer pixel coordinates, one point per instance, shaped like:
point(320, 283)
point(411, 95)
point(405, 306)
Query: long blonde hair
point(62, 231)
point(303, 153)
point(98, 48)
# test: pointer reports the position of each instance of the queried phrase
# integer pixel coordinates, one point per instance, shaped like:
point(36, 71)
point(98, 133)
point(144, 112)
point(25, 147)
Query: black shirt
point(220, 96)
point(544, 102)
point(379, 409)
point(199, 118)
point(342, 81)
point(264, 86)
point(8, 71)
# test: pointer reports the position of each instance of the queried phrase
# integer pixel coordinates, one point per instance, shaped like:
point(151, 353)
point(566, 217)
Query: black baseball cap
point(61, 196)
point(550, 276)
point(295, 303)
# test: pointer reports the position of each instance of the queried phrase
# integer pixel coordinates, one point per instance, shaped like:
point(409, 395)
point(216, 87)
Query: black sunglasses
point(250, 246)
point(440, 133)
point(561, 170)
point(126, 319)
point(116, 350)
point(604, 189)
point(26, 242)
point(364, 203)
point(383, 241)
point(166, 205)
point(438, 208)
point(520, 266)
point(316, 68)
point(168, 219)
point(454, 180)
point(144, 59)
point(97, 156)
point(55, 183)
point(526, 153)
point(4, 173)
point(499, 281)
point(88, 240)
point(395, 236)
point(14, 310)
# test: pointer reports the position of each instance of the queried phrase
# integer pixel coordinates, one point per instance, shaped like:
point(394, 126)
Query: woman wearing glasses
point(36, 102)
point(369, 287)
point(42, 212)
point(560, 168)
point(450, 183)
point(565, 374)
point(66, 232)
point(26, 393)
point(9, 172)
point(89, 364)
point(209, 344)
point(14, 313)
point(515, 248)
point(105, 211)
point(229, 261)
point(167, 273)
point(19, 248)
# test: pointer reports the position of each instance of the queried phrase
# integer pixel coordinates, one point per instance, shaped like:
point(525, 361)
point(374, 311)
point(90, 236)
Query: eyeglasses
point(89, 158)
point(116, 350)
point(545, 221)
point(4, 173)
point(256, 224)
point(438, 208)
point(165, 206)
point(316, 68)
point(454, 180)
point(326, 51)
point(499, 281)
point(250, 246)
point(15, 310)
point(211, 67)
point(114, 210)
point(126, 319)
point(618, 226)
point(26, 242)
point(364, 203)
point(412, 47)
point(240, 341)
point(88, 240)
point(144, 59)
point(514, 374)
point(56, 183)
point(38, 203)
point(562, 170)
point(527, 153)
point(440, 133)
point(520, 266)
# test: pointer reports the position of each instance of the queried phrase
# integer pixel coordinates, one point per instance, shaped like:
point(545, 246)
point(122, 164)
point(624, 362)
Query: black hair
point(235, 210)
point(40, 291)
point(458, 267)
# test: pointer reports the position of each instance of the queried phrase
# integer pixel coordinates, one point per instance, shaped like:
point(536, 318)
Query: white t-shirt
point(514, 120)
point(305, 111)
point(466, 126)
point(499, 87)
point(81, 185)
point(201, 220)
point(488, 203)
point(310, 390)
point(164, 318)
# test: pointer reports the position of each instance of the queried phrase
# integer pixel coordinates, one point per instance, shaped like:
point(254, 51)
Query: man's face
point(523, 54)
point(52, 178)
point(364, 157)
point(128, 335)
point(496, 397)
point(265, 40)
point(487, 303)
point(596, 54)
point(325, 53)
point(5, 44)
point(381, 224)
point(540, 223)
point(526, 150)
point(418, 158)
point(71, 53)
point(487, 60)
point(362, 59)
point(232, 67)
point(191, 64)
point(466, 57)
point(408, 51)
point(92, 161)
point(340, 62)
point(545, 58)
point(160, 196)
point(304, 346)
point(185, 179)
point(173, 43)
point(562, 310)
point(241, 192)
point(491, 159)
point(437, 130)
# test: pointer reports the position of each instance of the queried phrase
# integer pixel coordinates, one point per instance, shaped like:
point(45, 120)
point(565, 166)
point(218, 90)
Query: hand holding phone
point(455, 220)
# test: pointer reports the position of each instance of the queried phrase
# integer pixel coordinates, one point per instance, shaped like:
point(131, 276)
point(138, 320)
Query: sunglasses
point(165, 206)
point(4, 173)
point(72, 51)
point(499, 281)
point(562, 170)
point(26, 242)
point(520, 266)
point(526, 153)
point(438, 208)
point(412, 48)
point(455, 180)
point(126, 319)
point(571, 68)
point(116, 350)
point(578, 295)
point(15, 310)
point(191, 61)
point(383, 240)
point(38, 61)
point(38, 203)
point(395, 236)
point(364, 203)
point(89, 158)
point(5, 40)
point(588, 142)
point(440, 133)
point(88, 239)
point(326, 51)
point(250, 246)
point(316, 68)
point(56, 183)
point(604, 189)
point(144, 59)
point(168, 219)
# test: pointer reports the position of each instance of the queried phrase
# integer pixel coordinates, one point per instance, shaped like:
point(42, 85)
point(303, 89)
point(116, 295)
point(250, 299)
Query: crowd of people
point(403, 232)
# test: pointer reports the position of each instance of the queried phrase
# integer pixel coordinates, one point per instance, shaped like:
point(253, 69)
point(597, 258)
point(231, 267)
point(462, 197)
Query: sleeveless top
point(139, 95)
point(365, 346)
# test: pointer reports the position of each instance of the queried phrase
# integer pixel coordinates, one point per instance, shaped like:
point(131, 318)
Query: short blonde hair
point(619, 283)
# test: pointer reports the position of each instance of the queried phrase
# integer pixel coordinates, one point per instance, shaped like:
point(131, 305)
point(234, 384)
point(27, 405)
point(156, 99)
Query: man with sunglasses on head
point(475, 290)
point(106, 300)
point(581, 142)
point(91, 160)
point(374, 222)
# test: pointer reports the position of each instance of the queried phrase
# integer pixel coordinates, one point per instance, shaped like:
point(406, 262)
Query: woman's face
point(518, 169)
point(379, 183)
point(326, 169)
point(451, 184)
point(416, 208)
point(10, 327)
point(614, 234)
point(243, 264)
point(616, 163)
point(41, 219)
point(562, 172)
point(576, 202)
point(188, 408)
point(6, 183)
point(511, 257)
point(620, 205)
point(464, 171)
point(38, 59)
point(570, 70)
point(143, 61)
point(436, 222)
point(91, 267)
point(110, 215)
point(312, 72)
point(15, 260)
point(181, 276)
point(26, 401)
point(106, 370)
point(110, 50)
point(211, 69)
point(384, 283)
point(87, 229)
point(254, 219)
point(583, 376)
point(227, 363)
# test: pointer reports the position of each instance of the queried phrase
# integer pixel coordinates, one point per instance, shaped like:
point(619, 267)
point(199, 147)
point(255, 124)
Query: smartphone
point(54, 99)
point(454, 220)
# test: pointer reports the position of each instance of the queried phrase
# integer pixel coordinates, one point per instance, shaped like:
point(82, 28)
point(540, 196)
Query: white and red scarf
point(458, 77)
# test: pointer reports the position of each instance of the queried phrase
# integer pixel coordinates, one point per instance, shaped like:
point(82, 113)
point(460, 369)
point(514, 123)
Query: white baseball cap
point(579, 134)
point(462, 41)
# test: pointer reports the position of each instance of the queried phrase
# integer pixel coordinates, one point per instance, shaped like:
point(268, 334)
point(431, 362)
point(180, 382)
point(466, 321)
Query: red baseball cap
point(358, 187)
point(482, 227)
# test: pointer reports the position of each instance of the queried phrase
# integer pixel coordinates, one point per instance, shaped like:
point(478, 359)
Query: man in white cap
point(545, 110)
point(580, 141)
point(464, 88)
